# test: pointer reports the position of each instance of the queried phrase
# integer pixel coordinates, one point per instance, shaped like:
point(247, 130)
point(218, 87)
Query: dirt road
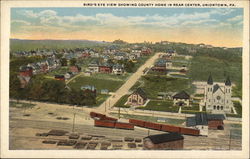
point(124, 89)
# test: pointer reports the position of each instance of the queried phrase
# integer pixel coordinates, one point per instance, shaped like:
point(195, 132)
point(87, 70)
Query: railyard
point(44, 117)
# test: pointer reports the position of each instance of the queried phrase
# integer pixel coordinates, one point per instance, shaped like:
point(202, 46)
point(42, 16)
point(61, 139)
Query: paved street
point(124, 89)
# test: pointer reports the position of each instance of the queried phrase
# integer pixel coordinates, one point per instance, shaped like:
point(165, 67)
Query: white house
point(118, 69)
point(181, 99)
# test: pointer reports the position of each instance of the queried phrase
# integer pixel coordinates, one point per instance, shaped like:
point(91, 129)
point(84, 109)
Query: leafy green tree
point(64, 61)
point(73, 62)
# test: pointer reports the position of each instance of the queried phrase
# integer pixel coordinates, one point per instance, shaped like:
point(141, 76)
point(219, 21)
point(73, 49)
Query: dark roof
point(228, 82)
point(161, 138)
point(216, 87)
point(181, 95)
point(215, 117)
point(141, 92)
point(210, 79)
point(203, 118)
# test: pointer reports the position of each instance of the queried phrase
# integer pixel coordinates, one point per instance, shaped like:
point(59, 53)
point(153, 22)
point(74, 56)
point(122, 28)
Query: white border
point(5, 35)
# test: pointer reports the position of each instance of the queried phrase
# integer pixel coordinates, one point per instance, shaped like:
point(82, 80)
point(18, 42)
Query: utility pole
point(229, 139)
point(119, 111)
point(105, 106)
point(73, 128)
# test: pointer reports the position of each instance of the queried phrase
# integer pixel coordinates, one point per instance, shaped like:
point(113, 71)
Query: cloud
point(236, 18)
point(20, 22)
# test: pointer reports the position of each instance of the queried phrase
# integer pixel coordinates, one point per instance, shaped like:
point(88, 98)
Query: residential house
point(137, 98)
point(159, 66)
point(89, 89)
point(146, 51)
point(204, 121)
point(166, 141)
point(75, 69)
point(118, 69)
point(93, 67)
point(170, 52)
point(24, 80)
point(120, 56)
point(181, 99)
point(104, 91)
point(26, 71)
point(105, 68)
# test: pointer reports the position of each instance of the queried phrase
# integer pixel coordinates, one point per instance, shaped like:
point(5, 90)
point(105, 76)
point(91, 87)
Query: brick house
point(204, 121)
point(181, 99)
point(166, 141)
point(137, 98)
point(105, 68)
point(26, 71)
point(146, 51)
point(89, 89)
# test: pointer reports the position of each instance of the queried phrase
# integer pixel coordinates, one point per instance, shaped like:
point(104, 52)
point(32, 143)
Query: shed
point(166, 141)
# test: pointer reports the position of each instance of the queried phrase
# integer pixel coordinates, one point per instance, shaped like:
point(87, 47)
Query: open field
point(97, 82)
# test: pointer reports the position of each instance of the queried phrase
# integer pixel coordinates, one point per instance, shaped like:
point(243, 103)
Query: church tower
point(209, 92)
point(228, 94)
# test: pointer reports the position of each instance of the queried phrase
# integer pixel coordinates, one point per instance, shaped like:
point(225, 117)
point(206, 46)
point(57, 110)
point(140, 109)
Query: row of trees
point(49, 90)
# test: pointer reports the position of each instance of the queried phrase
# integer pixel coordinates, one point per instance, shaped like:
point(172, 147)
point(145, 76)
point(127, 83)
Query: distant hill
point(26, 45)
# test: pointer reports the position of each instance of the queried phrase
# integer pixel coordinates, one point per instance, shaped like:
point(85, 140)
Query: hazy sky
point(218, 27)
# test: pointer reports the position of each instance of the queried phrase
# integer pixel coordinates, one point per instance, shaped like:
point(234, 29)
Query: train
point(102, 120)
point(164, 127)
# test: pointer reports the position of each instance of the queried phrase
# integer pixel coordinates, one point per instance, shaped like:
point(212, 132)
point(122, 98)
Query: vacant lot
point(111, 85)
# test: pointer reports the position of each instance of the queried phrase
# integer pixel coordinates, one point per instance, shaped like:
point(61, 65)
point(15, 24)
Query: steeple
point(228, 81)
point(210, 80)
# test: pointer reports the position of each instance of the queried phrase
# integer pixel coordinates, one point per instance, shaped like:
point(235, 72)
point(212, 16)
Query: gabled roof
point(228, 81)
point(141, 92)
point(181, 95)
point(215, 117)
point(161, 138)
point(216, 87)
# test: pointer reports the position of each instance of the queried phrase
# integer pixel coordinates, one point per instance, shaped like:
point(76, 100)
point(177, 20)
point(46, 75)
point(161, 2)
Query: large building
point(217, 98)
point(171, 141)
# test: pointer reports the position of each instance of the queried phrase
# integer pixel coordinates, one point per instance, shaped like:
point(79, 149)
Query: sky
point(214, 26)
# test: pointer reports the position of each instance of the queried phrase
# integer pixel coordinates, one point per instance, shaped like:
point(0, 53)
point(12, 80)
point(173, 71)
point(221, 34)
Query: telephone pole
point(73, 128)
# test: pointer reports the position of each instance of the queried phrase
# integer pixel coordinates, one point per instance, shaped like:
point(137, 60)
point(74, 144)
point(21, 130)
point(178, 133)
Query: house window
point(221, 107)
point(214, 107)
point(130, 100)
point(218, 107)
point(208, 89)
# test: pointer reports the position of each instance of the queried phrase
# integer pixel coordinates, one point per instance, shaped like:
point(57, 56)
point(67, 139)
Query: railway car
point(104, 123)
point(170, 128)
point(108, 118)
point(154, 126)
point(120, 125)
point(140, 123)
point(189, 131)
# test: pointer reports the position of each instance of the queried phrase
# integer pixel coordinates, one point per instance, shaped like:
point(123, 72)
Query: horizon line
point(124, 41)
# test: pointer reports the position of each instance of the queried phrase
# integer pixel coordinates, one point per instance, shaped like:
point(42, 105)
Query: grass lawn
point(170, 121)
point(158, 105)
point(21, 104)
point(153, 84)
point(111, 85)
point(238, 108)
point(121, 102)
point(111, 76)
point(60, 71)
point(101, 98)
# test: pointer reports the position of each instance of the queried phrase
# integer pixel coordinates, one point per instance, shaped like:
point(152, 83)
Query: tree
point(64, 61)
point(15, 86)
point(73, 62)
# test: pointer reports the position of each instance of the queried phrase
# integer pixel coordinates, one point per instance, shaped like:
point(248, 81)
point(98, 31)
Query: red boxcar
point(152, 125)
point(170, 128)
point(103, 123)
point(137, 122)
point(97, 115)
point(188, 131)
point(120, 125)
point(108, 118)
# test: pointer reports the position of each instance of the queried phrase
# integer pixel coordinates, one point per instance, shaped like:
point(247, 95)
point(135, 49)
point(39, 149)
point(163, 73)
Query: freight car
point(120, 125)
point(108, 118)
point(97, 115)
point(170, 128)
point(188, 131)
point(140, 123)
point(104, 123)
point(154, 126)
